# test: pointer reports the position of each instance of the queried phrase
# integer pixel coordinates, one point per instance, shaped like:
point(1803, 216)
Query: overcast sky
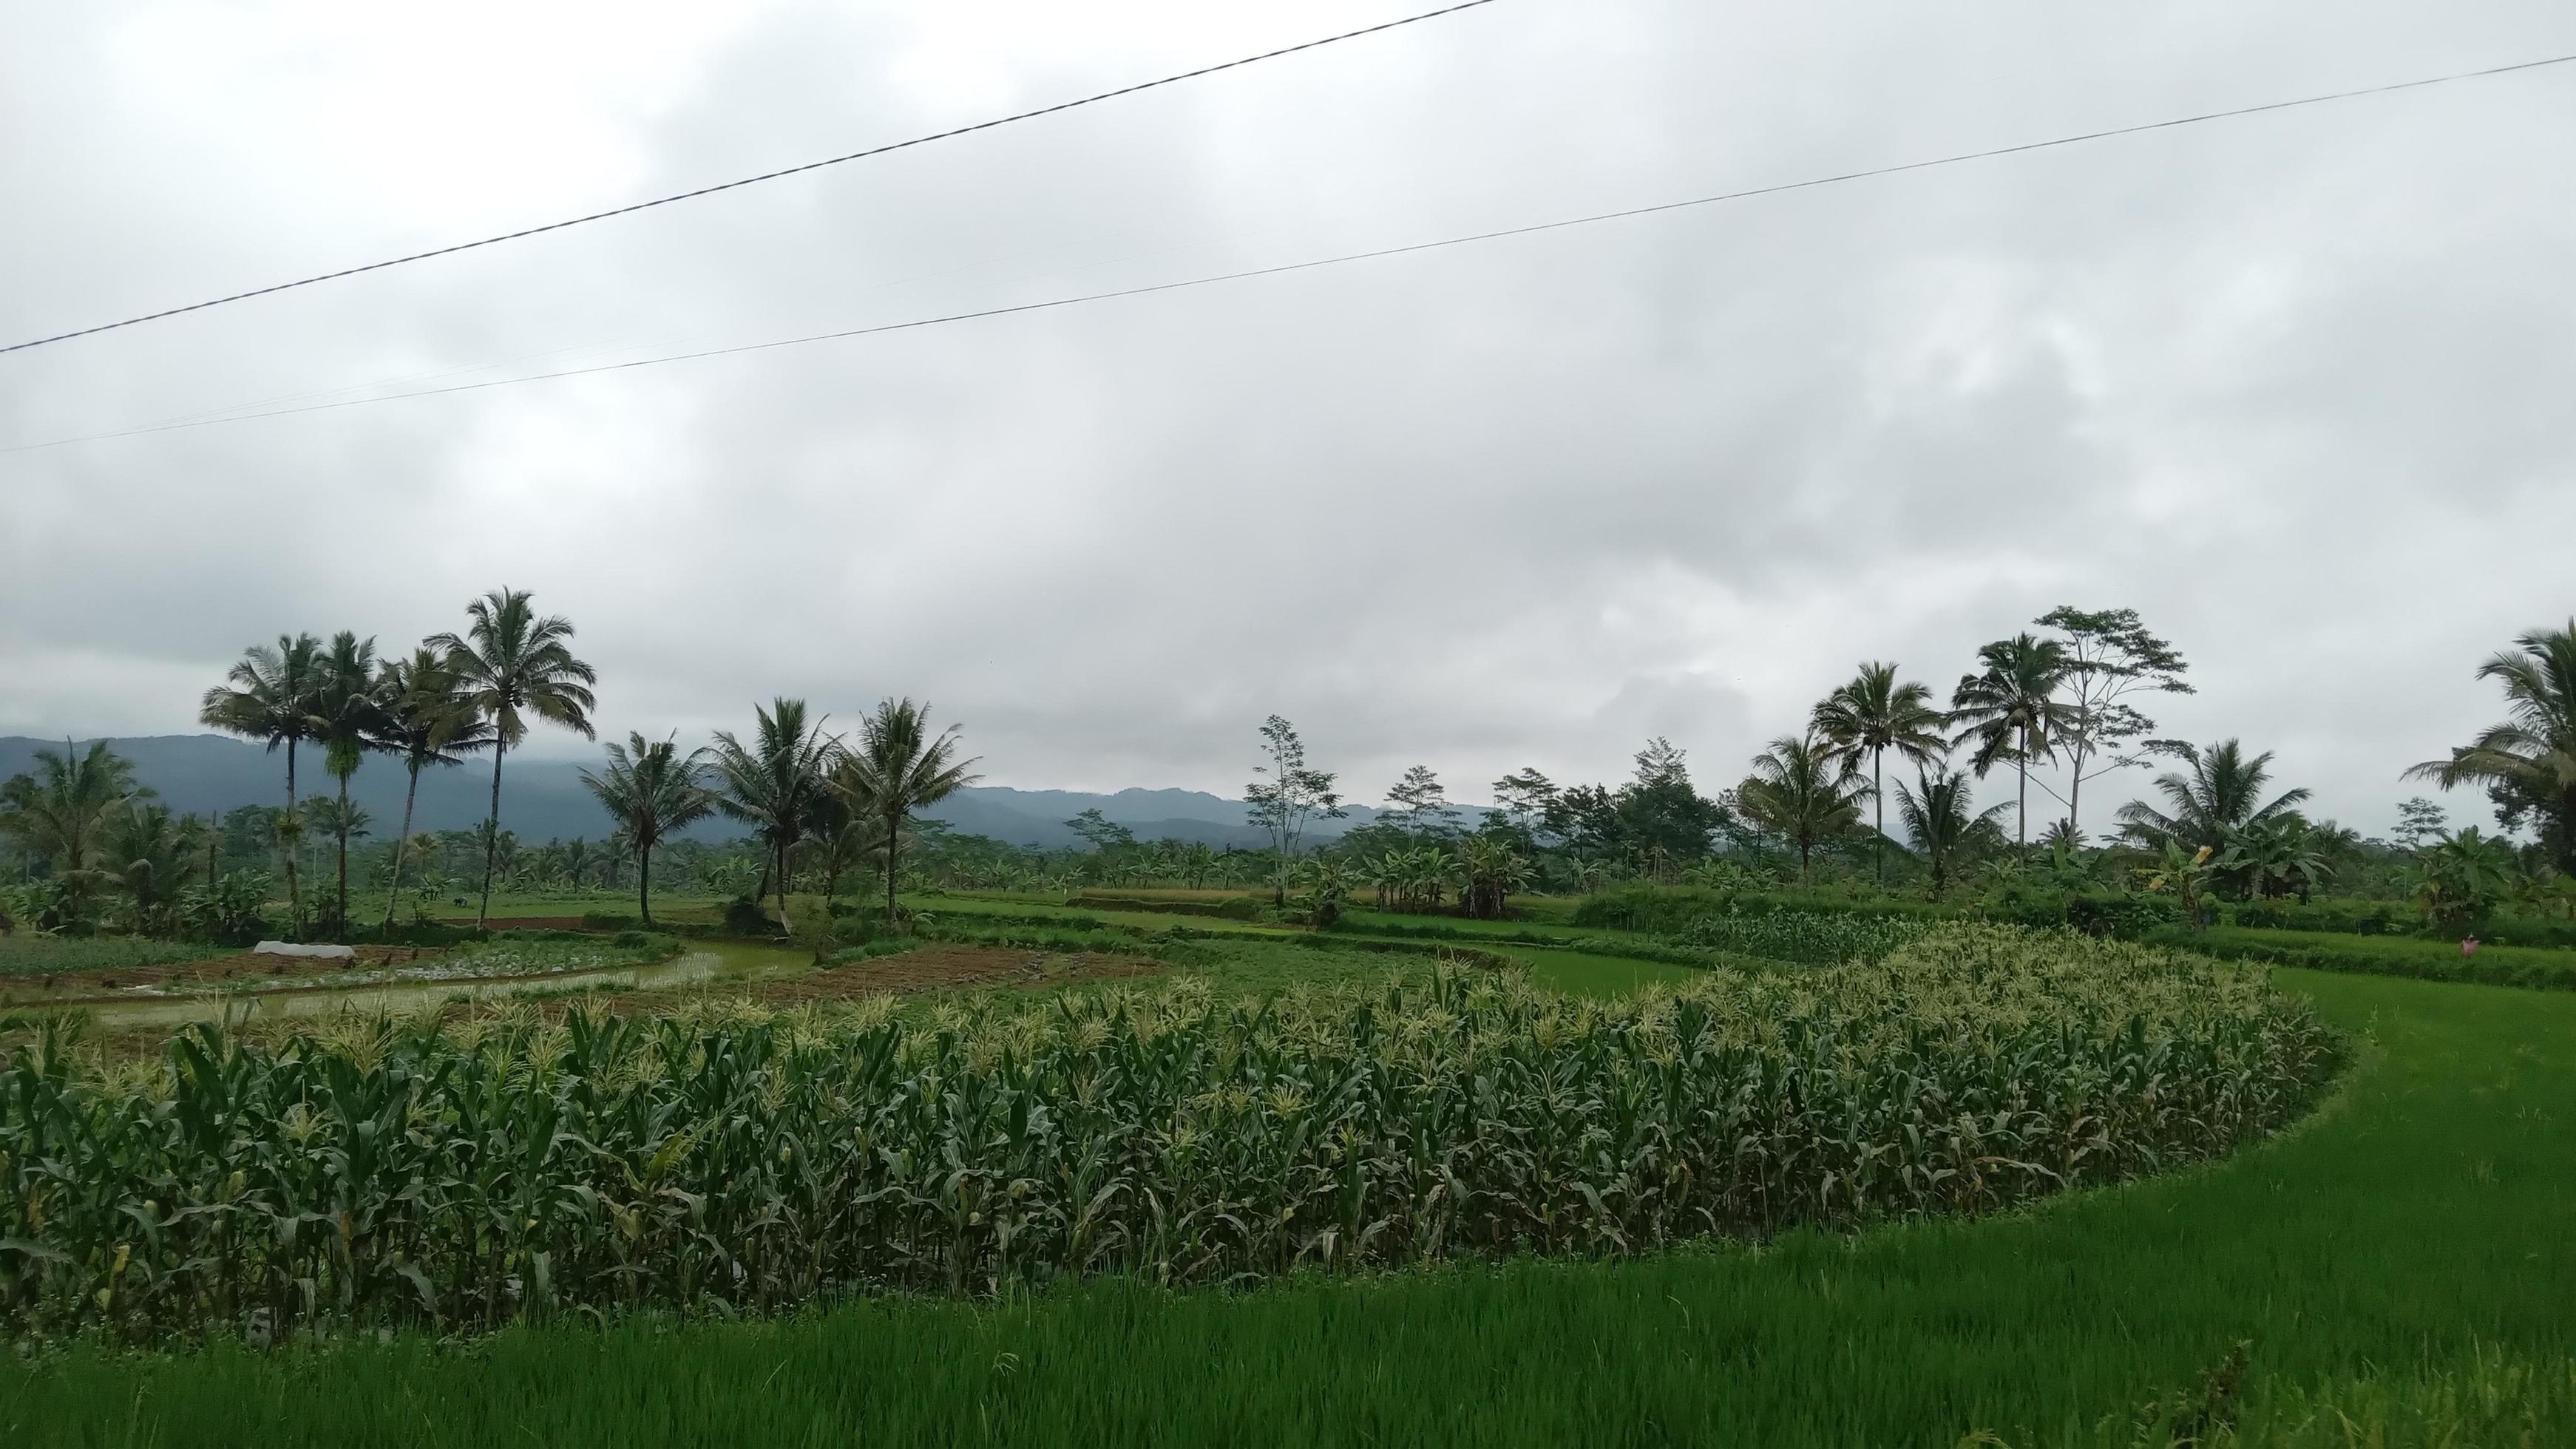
point(2298, 387)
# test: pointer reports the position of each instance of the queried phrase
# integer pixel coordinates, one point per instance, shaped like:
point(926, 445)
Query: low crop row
point(1814, 937)
point(473, 1173)
point(2533, 967)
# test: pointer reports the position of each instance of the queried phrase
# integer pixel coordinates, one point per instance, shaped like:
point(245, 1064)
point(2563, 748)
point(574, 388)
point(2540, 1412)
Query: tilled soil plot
point(208, 974)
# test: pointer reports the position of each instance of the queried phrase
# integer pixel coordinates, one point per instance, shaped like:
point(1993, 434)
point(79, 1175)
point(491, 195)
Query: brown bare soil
point(215, 971)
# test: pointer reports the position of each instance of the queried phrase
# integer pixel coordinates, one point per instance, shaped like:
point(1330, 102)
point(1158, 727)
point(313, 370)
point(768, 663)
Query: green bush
point(631, 938)
point(744, 917)
point(2526, 966)
point(609, 920)
point(1671, 910)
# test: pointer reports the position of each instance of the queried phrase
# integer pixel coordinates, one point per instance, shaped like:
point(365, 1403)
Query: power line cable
point(629, 210)
point(1562, 223)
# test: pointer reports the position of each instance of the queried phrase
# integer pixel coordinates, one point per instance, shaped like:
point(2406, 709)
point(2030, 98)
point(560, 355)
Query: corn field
point(1816, 937)
point(466, 1174)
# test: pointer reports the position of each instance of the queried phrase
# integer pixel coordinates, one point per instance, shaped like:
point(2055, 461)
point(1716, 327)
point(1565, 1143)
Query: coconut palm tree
point(771, 784)
point(2217, 794)
point(2012, 713)
point(899, 767)
point(1871, 715)
point(514, 664)
point(654, 791)
point(1797, 791)
point(149, 855)
point(425, 716)
point(345, 712)
point(2532, 755)
point(62, 809)
point(268, 697)
point(1938, 816)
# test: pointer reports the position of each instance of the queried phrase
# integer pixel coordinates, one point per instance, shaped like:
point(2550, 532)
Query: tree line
point(2058, 710)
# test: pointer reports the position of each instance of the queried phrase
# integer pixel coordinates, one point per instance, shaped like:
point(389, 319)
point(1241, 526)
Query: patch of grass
point(25, 953)
point(2366, 1257)
point(2534, 967)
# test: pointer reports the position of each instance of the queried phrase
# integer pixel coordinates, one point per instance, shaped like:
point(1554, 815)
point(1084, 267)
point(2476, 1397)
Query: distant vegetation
point(1818, 818)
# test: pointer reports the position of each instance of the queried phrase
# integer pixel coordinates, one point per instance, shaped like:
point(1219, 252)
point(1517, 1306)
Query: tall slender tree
point(515, 664)
point(654, 791)
point(344, 715)
point(2110, 657)
point(268, 696)
point(771, 783)
point(2528, 762)
point(1291, 796)
point(424, 717)
point(1798, 792)
point(1871, 715)
point(2010, 709)
point(899, 767)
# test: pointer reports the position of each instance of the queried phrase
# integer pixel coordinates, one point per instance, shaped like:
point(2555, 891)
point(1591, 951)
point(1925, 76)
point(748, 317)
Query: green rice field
point(2403, 1257)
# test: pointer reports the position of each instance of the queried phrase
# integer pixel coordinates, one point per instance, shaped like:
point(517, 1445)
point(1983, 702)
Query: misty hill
point(543, 799)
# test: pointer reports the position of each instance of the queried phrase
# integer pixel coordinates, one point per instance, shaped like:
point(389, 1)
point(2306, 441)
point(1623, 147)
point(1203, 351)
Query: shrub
point(744, 917)
point(630, 939)
point(609, 920)
point(722, 1164)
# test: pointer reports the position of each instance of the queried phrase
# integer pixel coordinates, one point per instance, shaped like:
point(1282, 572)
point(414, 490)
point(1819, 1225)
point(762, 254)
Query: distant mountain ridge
point(543, 799)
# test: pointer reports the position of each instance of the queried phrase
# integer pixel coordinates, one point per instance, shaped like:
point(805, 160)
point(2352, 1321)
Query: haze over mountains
point(543, 799)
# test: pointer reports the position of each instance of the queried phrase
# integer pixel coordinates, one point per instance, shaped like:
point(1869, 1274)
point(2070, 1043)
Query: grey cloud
point(1522, 503)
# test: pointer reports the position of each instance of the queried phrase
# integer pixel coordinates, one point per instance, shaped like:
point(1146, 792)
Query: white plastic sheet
point(290, 948)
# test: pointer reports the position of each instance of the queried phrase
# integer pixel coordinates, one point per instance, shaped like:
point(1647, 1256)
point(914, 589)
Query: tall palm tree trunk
point(2021, 805)
point(784, 924)
point(1878, 799)
point(341, 924)
point(393, 892)
point(491, 834)
point(294, 891)
point(644, 883)
point(894, 842)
